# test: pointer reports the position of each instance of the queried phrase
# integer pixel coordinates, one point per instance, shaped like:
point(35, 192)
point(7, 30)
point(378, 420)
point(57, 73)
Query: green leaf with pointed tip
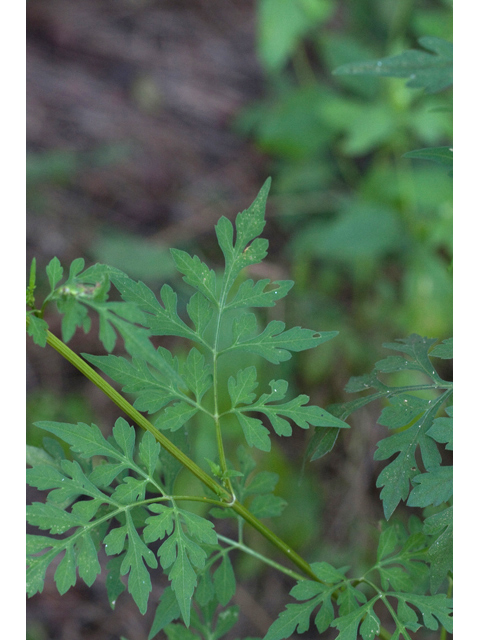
point(255, 433)
point(199, 528)
point(439, 155)
point(54, 272)
point(252, 294)
point(242, 387)
point(405, 409)
point(38, 565)
point(267, 506)
point(434, 609)
point(160, 525)
point(196, 274)
point(418, 349)
point(52, 518)
point(74, 315)
point(440, 553)
point(197, 374)
point(224, 581)
point(432, 488)
point(37, 328)
point(138, 554)
point(397, 476)
point(274, 343)
point(442, 429)
point(200, 312)
point(66, 573)
point(130, 490)
point(431, 71)
point(113, 581)
point(179, 553)
point(124, 435)
point(443, 350)
point(263, 482)
point(303, 416)
point(167, 611)
point(248, 224)
point(322, 442)
point(402, 410)
point(161, 320)
point(152, 387)
point(327, 573)
point(175, 416)
point(370, 626)
point(347, 625)
point(87, 559)
point(149, 450)
point(295, 618)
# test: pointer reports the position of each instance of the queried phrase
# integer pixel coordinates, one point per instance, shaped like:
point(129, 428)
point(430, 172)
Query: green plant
point(119, 492)
point(359, 214)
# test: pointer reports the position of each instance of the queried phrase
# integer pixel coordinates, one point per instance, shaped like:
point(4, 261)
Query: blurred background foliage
point(149, 120)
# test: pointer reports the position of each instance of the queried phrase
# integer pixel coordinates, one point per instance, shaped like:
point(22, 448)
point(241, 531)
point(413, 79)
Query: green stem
point(141, 421)
point(135, 415)
point(274, 539)
point(242, 547)
point(227, 499)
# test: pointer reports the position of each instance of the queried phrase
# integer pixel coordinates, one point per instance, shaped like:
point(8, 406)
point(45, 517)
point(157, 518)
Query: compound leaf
point(295, 410)
point(274, 343)
point(179, 553)
point(396, 477)
point(434, 609)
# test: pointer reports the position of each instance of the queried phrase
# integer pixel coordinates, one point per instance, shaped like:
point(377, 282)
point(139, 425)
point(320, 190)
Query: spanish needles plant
point(119, 492)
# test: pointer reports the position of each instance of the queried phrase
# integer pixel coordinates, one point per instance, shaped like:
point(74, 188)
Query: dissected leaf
point(241, 390)
point(180, 552)
point(274, 343)
point(248, 225)
point(432, 488)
